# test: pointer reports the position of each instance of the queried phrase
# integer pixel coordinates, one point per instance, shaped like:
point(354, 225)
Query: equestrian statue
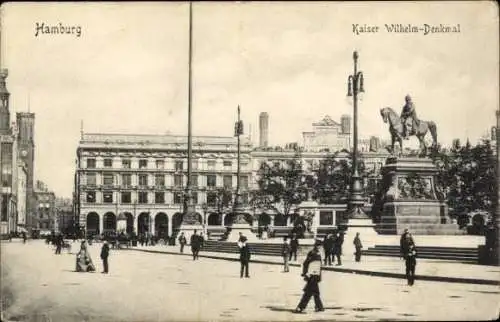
point(406, 125)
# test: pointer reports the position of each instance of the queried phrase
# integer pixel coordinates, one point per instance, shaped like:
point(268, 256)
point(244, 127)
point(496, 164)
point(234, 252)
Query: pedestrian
point(195, 243)
point(358, 246)
point(58, 241)
point(338, 247)
point(285, 252)
point(294, 246)
point(244, 256)
point(182, 241)
point(409, 252)
point(104, 257)
point(311, 271)
point(328, 249)
point(24, 237)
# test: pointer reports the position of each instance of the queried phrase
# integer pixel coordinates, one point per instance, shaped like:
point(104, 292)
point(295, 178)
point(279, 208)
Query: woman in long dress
point(83, 260)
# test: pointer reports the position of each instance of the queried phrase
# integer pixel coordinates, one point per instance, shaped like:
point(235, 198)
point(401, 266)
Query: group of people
point(332, 247)
point(84, 261)
point(196, 241)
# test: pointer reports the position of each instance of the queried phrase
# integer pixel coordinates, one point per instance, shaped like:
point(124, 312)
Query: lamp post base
point(245, 230)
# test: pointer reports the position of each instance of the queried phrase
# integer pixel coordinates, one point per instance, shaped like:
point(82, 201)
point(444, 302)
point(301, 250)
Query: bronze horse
point(396, 130)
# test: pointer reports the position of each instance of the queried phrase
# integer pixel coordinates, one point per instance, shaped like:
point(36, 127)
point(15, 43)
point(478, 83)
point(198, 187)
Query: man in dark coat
point(409, 252)
point(104, 257)
point(338, 247)
point(182, 242)
point(195, 242)
point(358, 246)
point(311, 271)
point(294, 246)
point(328, 249)
point(244, 256)
point(59, 243)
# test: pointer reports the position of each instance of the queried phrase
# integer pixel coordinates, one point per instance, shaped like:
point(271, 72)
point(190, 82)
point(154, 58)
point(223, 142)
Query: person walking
point(195, 243)
point(104, 257)
point(311, 271)
point(358, 246)
point(328, 249)
point(59, 243)
point(338, 247)
point(409, 253)
point(294, 246)
point(285, 252)
point(24, 237)
point(182, 242)
point(244, 256)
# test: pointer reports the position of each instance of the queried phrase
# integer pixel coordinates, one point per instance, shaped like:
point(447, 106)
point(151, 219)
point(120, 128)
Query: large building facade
point(329, 135)
point(142, 178)
point(45, 209)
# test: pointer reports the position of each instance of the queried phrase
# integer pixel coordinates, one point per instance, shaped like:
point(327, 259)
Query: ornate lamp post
point(354, 88)
point(204, 206)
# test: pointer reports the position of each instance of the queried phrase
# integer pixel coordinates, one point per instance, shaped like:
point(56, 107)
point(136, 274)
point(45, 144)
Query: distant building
point(66, 221)
point(328, 135)
point(26, 153)
point(263, 129)
point(45, 215)
point(143, 178)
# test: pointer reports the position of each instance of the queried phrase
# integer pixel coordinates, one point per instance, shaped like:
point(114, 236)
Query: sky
point(127, 71)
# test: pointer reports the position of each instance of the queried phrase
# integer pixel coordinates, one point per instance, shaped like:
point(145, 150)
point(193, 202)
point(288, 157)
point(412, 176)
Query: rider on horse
point(409, 112)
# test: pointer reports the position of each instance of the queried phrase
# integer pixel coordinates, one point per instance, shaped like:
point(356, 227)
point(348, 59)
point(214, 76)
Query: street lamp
point(238, 216)
point(354, 88)
point(204, 206)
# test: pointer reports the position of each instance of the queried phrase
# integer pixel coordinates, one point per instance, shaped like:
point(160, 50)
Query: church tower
point(4, 103)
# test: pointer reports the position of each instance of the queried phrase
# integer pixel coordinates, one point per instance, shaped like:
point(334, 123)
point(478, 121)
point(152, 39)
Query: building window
point(228, 181)
point(91, 179)
point(194, 195)
point(126, 197)
point(211, 180)
point(143, 164)
point(160, 180)
point(126, 164)
point(244, 165)
point(90, 163)
point(194, 180)
point(143, 180)
point(108, 179)
point(90, 196)
point(126, 180)
point(143, 197)
point(179, 164)
point(211, 164)
point(244, 182)
point(177, 198)
point(194, 164)
point(244, 198)
point(160, 164)
point(159, 197)
point(178, 180)
point(211, 198)
point(108, 163)
point(227, 165)
point(107, 197)
point(4, 206)
point(326, 218)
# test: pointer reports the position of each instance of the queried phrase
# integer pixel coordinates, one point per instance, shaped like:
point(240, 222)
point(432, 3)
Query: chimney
point(263, 130)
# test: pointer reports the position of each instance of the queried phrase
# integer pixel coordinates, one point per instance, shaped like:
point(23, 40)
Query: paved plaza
point(40, 286)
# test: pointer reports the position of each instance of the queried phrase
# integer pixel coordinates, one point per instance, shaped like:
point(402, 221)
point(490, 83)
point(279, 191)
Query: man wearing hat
point(244, 256)
point(311, 271)
point(104, 257)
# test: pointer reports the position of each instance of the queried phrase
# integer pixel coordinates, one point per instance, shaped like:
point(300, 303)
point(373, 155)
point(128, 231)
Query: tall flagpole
point(189, 217)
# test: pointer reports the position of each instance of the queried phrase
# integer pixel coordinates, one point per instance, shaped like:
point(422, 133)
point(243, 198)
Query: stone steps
point(460, 254)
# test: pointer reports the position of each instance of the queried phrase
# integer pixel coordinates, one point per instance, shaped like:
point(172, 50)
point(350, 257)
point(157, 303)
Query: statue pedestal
point(245, 229)
point(410, 200)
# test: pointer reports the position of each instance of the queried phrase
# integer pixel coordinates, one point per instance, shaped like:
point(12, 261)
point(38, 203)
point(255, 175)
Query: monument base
point(367, 234)
point(420, 218)
point(245, 229)
point(188, 231)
